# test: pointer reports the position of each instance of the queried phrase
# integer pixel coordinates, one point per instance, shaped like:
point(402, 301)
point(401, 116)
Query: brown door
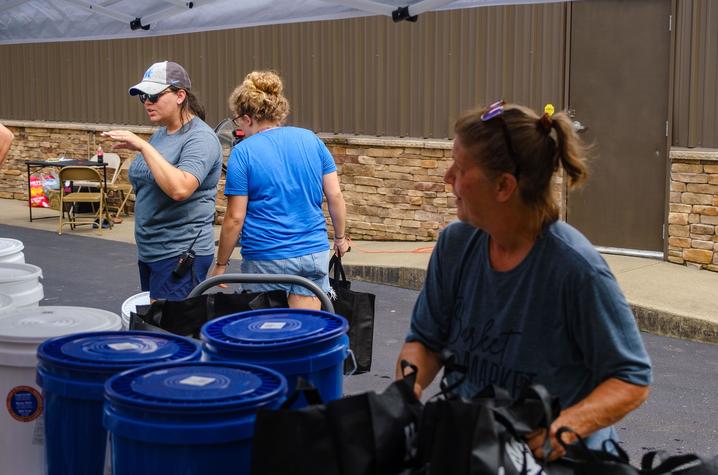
point(618, 84)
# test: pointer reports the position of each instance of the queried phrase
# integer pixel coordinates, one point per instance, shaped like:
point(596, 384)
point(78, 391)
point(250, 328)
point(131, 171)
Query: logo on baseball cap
point(161, 75)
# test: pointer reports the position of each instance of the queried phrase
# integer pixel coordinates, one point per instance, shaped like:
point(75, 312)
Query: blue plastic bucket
point(72, 371)
point(296, 342)
point(187, 417)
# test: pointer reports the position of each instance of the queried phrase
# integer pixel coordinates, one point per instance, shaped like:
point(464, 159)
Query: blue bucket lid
point(116, 351)
point(192, 386)
point(274, 328)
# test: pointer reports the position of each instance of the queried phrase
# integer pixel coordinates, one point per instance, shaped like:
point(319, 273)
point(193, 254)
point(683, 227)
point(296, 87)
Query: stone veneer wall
point(693, 208)
point(393, 188)
point(41, 141)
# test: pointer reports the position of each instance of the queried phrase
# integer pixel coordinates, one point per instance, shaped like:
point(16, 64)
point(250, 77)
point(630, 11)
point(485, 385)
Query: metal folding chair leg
point(125, 197)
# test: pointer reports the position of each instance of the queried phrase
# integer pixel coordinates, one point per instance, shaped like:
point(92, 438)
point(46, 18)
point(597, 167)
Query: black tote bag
point(580, 460)
point(186, 317)
point(483, 435)
point(358, 309)
point(363, 434)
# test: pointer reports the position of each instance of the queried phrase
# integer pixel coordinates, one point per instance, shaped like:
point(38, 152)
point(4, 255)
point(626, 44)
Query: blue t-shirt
point(559, 318)
point(164, 227)
point(281, 171)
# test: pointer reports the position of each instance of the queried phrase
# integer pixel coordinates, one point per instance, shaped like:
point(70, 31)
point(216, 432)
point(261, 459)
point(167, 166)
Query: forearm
point(176, 183)
point(228, 237)
point(427, 362)
point(607, 404)
point(338, 213)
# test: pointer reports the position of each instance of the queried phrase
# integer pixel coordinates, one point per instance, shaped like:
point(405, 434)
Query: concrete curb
point(664, 323)
point(651, 320)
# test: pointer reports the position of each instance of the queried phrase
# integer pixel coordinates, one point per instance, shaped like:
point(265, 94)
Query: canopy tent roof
point(36, 21)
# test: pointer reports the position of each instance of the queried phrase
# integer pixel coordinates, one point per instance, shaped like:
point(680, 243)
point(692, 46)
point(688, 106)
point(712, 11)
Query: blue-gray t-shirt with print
point(559, 318)
point(164, 227)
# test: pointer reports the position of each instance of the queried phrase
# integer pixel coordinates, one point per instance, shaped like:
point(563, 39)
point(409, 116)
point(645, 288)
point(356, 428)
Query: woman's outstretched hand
point(125, 139)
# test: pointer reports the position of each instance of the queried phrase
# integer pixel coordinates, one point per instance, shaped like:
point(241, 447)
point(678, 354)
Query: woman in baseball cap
point(174, 176)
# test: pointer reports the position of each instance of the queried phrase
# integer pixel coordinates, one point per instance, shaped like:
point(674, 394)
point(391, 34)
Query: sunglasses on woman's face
point(153, 98)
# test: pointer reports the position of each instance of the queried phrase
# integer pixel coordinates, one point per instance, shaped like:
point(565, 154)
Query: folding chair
point(95, 179)
point(124, 189)
point(113, 161)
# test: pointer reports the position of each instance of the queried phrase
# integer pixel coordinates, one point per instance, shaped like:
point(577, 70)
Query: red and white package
point(38, 199)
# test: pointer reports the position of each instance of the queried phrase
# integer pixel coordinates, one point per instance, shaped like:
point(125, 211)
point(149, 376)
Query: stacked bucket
point(18, 280)
point(84, 397)
point(23, 326)
point(162, 409)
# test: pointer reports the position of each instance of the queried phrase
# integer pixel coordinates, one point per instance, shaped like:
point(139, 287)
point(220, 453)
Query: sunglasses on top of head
point(153, 98)
point(496, 111)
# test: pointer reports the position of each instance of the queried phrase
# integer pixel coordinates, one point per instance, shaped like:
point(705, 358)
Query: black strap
point(411, 377)
point(336, 263)
point(448, 361)
point(609, 444)
point(545, 399)
point(585, 452)
point(668, 465)
point(304, 387)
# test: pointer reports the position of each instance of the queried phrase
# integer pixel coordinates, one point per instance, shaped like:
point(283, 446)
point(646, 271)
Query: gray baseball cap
point(161, 75)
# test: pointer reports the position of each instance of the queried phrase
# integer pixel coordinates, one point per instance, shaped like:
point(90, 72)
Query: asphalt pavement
point(680, 416)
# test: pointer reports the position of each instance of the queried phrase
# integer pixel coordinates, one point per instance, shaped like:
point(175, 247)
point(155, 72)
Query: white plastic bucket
point(129, 306)
point(6, 304)
point(21, 331)
point(11, 251)
point(22, 283)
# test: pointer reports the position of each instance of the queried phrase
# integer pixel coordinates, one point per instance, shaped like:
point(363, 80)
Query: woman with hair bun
point(277, 178)
point(518, 296)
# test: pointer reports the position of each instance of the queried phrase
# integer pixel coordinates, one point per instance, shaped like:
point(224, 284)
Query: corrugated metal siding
point(364, 76)
point(695, 99)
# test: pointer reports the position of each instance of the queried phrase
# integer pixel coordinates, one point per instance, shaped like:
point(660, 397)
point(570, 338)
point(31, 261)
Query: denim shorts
point(314, 267)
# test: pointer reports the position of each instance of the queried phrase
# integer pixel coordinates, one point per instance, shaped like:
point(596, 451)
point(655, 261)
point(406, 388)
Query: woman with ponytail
point(518, 296)
point(174, 176)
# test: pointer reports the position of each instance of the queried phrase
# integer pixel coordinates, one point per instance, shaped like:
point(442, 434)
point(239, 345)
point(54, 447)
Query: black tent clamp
point(402, 13)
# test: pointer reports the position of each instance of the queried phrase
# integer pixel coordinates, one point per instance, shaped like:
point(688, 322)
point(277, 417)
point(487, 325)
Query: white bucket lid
point(6, 303)
point(22, 330)
point(14, 272)
point(10, 246)
point(129, 305)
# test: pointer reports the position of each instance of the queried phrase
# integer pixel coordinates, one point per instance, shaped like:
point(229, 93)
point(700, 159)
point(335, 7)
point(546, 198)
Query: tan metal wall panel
point(364, 76)
point(695, 98)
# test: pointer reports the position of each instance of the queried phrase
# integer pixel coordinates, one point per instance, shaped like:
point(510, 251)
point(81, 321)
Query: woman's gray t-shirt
point(164, 227)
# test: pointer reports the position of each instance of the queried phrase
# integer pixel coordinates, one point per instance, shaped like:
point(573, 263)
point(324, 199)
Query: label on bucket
point(272, 325)
point(124, 346)
point(24, 403)
point(197, 381)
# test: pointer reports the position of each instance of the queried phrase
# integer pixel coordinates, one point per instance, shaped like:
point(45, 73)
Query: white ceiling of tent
point(32, 21)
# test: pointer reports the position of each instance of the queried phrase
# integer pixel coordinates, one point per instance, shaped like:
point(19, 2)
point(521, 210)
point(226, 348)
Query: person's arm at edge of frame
point(6, 138)
point(230, 232)
point(337, 211)
point(427, 362)
point(607, 404)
